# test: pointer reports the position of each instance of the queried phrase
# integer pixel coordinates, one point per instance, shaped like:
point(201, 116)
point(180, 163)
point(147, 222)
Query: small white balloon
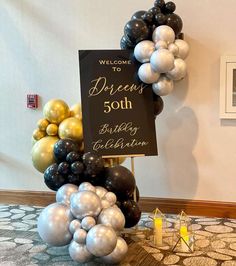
point(143, 51)
point(88, 222)
point(163, 33)
point(183, 48)
point(173, 48)
point(100, 191)
point(80, 236)
point(179, 71)
point(162, 61)
point(86, 186)
point(110, 197)
point(105, 204)
point(161, 45)
point(74, 225)
point(147, 74)
point(163, 86)
point(64, 192)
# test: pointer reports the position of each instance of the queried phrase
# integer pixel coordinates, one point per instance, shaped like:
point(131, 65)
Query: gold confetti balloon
point(38, 134)
point(42, 153)
point(71, 128)
point(55, 111)
point(75, 111)
point(42, 124)
point(52, 129)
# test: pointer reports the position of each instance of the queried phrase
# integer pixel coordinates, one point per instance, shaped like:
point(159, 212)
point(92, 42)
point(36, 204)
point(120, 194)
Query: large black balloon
point(136, 30)
point(131, 212)
point(120, 181)
point(126, 44)
point(93, 164)
point(52, 178)
point(63, 147)
point(175, 22)
point(138, 14)
point(158, 104)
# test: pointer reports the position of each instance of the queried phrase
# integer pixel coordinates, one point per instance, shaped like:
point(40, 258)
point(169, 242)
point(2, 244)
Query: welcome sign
point(118, 118)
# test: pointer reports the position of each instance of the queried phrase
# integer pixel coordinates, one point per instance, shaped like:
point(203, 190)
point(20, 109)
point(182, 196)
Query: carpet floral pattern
point(20, 244)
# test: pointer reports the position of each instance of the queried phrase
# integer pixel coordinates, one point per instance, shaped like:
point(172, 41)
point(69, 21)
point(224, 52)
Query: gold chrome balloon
point(71, 128)
point(38, 134)
point(42, 153)
point(55, 111)
point(75, 111)
point(52, 129)
point(42, 124)
point(109, 162)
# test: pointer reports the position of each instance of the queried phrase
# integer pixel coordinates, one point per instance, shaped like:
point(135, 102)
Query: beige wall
point(38, 53)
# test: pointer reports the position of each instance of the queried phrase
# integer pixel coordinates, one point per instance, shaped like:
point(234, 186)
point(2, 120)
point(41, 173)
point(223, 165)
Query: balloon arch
point(95, 196)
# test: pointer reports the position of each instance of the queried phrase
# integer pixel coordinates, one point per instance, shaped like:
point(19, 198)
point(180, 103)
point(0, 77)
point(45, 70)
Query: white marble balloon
point(112, 216)
point(53, 224)
point(100, 191)
point(160, 45)
point(64, 193)
point(85, 203)
point(183, 48)
point(173, 48)
point(86, 186)
point(143, 51)
point(163, 33)
point(118, 254)
point(79, 252)
point(80, 236)
point(162, 61)
point(147, 74)
point(101, 240)
point(163, 87)
point(179, 71)
point(88, 222)
point(110, 197)
point(74, 225)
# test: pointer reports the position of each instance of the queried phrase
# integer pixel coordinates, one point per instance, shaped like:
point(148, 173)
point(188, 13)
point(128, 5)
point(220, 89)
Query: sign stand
point(132, 170)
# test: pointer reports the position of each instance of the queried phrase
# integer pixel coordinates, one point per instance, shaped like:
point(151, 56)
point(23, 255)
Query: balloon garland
point(94, 198)
point(155, 35)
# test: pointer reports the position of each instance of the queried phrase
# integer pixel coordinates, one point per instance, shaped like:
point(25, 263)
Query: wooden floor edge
point(147, 204)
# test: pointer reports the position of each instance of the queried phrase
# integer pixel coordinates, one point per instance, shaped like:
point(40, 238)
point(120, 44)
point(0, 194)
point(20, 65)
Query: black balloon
point(138, 14)
point(72, 157)
point(154, 10)
point(63, 147)
point(120, 181)
point(168, 8)
point(74, 179)
point(180, 36)
point(126, 44)
point(77, 167)
point(159, 3)
point(64, 168)
point(148, 18)
point(158, 104)
point(136, 30)
point(160, 19)
point(175, 22)
point(52, 178)
point(94, 163)
point(131, 212)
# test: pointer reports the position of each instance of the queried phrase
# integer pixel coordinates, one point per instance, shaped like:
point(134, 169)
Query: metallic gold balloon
point(42, 124)
point(109, 162)
point(71, 128)
point(42, 153)
point(52, 129)
point(38, 134)
point(55, 111)
point(75, 111)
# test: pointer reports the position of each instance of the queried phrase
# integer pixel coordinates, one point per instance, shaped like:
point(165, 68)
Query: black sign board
point(118, 118)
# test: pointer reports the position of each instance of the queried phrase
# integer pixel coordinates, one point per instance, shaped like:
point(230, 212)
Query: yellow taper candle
point(158, 223)
point(185, 237)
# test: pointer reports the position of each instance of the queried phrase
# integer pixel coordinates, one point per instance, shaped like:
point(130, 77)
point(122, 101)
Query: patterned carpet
point(215, 242)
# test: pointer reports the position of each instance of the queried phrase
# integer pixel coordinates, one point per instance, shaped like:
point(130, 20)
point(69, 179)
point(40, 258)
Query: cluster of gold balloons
point(59, 122)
